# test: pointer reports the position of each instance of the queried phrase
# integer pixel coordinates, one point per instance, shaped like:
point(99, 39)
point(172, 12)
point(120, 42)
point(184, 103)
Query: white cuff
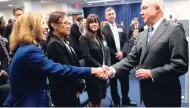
point(113, 72)
point(152, 78)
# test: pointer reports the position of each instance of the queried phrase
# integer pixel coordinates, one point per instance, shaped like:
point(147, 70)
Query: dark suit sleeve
point(179, 59)
point(7, 31)
point(128, 62)
point(4, 62)
point(126, 43)
point(108, 56)
point(129, 33)
point(37, 61)
point(56, 52)
point(75, 31)
point(84, 44)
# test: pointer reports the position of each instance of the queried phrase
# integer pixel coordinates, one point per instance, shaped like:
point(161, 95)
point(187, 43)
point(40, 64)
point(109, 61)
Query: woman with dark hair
point(96, 54)
point(64, 91)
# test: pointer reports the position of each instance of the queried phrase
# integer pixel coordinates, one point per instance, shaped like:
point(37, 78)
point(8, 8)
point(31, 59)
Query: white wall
point(178, 9)
point(6, 13)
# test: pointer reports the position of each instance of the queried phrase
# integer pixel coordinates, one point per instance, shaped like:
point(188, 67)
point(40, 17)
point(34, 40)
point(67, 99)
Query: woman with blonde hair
point(29, 67)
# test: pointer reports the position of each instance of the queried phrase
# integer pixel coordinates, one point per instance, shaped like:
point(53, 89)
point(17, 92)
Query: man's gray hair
point(159, 3)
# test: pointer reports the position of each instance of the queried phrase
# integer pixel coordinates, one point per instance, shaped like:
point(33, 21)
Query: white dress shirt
point(116, 35)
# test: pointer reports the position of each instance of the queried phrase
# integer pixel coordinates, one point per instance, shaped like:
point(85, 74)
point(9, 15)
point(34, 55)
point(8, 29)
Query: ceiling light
point(10, 5)
point(3, 0)
point(122, 1)
point(100, 1)
point(89, 4)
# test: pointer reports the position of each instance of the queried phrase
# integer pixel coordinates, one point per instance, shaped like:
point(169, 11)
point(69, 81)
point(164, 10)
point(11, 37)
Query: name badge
point(120, 29)
point(104, 43)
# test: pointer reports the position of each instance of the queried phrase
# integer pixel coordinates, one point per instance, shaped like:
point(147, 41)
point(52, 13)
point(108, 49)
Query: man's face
point(18, 13)
point(84, 23)
point(110, 16)
point(135, 21)
point(148, 13)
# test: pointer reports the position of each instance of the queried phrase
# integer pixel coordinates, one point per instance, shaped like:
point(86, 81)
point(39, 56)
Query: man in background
point(75, 34)
point(83, 26)
point(116, 37)
point(180, 24)
point(16, 12)
point(134, 27)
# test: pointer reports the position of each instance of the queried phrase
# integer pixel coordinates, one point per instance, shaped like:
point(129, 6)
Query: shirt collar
point(155, 26)
point(111, 24)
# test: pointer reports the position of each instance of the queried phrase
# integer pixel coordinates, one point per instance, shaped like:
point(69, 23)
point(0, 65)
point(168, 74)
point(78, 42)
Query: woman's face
point(94, 26)
point(62, 27)
point(44, 31)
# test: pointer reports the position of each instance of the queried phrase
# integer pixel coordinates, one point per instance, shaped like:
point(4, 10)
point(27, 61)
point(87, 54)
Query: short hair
point(26, 30)
point(108, 9)
point(135, 18)
point(16, 9)
point(55, 17)
point(159, 3)
point(79, 18)
point(10, 21)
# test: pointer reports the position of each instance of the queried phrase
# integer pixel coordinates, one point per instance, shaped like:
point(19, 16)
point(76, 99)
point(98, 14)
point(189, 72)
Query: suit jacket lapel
point(111, 34)
point(159, 31)
point(144, 43)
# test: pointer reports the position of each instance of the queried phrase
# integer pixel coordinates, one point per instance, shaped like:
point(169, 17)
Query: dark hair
point(1, 19)
point(79, 18)
point(89, 33)
point(10, 21)
point(55, 17)
point(16, 9)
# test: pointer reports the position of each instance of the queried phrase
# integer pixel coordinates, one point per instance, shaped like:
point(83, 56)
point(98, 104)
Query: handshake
point(103, 72)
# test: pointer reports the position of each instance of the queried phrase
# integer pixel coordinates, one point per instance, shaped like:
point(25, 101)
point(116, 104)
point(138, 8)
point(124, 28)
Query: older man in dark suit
point(161, 56)
point(117, 42)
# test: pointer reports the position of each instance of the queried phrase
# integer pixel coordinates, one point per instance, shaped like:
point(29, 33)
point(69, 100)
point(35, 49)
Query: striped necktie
point(150, 29)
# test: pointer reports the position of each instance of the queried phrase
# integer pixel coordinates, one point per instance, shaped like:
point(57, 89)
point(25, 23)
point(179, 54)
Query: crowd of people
point(40, 54)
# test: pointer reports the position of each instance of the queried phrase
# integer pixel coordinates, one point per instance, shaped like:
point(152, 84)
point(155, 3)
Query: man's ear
point(54, 26)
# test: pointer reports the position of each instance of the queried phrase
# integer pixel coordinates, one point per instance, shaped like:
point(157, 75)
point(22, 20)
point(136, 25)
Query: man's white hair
point(159, 3)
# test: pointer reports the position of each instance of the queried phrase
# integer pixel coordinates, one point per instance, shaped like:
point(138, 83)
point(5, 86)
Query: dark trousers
point(4, 92)
point(124, 81)
point(65, 100)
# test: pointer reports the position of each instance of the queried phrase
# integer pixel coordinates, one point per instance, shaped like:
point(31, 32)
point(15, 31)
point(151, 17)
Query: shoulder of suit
point(83, 37)
point(173, 25)
point(104, 27)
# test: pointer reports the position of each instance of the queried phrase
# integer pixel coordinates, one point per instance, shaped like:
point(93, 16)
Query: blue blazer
point(28, 76)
